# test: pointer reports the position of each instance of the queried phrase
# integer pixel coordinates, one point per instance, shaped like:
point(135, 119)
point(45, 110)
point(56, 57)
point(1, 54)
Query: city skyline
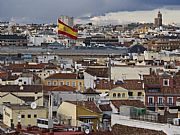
point(45, 11)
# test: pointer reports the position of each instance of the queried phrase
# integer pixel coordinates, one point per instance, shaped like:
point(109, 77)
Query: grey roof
point(2, 37)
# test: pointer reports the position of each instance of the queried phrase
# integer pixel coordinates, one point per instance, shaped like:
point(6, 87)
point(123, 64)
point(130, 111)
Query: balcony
point(170, 104)
point(161, 104)
point(141, 98)
point(151, 104)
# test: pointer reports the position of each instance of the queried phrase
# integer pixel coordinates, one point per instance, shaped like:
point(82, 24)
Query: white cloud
point(169, 17)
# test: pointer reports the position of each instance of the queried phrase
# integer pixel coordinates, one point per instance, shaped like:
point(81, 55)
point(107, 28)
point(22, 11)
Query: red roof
point(105, 107)
point(98, 72)
point(26, 66)
point(104, 84)
point(3, 74)
point(62, 76)
point(135, 103)
point(87, 104)
point(17, 88)
point(132, 85)
point(59, 88)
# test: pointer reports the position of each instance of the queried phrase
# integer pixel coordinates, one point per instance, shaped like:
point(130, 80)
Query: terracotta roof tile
point(105, 107)
point(135, 103)
point(17, 88)
point(104, 84)
point(90, 91)
point(59, 88)
point(3, 74)
point(98, 72)
point(127, 130)
point(132, 85)
point(87, 104)
point(25, 66)
point(62, 76)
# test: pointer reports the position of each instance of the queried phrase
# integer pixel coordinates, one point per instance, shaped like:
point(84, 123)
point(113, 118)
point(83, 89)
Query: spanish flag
point(64, 29)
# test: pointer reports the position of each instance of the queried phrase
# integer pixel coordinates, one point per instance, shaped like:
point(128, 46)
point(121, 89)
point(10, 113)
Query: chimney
point(150, 70)
point(21, 88)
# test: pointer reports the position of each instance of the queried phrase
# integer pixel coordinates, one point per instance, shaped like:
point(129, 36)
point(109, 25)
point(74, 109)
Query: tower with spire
point(158, 20)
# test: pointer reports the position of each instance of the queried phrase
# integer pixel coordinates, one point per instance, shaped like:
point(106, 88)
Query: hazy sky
point(48, 10)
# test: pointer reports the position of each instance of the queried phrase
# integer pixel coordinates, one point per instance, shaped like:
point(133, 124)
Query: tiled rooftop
point(132, 85)
point(62, 76)
point(105, 107)
point(87, 104)
point(98, 72)
point(24, 88)
point(90, 91)
point(59, 88)
point(135, 103)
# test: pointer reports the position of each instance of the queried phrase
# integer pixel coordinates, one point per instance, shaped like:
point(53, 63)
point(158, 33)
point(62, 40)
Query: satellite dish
point(33, 105)
point(87, 131)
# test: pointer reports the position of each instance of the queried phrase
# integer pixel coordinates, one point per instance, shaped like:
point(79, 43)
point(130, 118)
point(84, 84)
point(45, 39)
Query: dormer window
point(165, 82)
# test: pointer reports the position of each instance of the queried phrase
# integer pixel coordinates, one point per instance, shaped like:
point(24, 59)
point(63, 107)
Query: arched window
point(123, 95)
point(114, 94)
point(119, 95)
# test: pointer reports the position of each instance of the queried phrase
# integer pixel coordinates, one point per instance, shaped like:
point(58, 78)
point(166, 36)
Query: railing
point(161, 104)
point(136, 98)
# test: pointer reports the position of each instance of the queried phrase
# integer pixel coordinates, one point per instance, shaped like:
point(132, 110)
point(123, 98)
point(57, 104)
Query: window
point(73, 84)
point(150, 100)
point(80, 83)
point(114, 94)
point(67, 83)
point(55, 83)
point(154, 90)
point(107, 93)
point(87, 121)
point(123, 95)
point(139, 93)
point(24, 82)
point(119, 95)
point(29, 115)
point(170, 100)
point(35, 115)
point(49, 83)
point(160, 100)
point(20, 80)
point(165, 82)
point(61, 83)
point(22, 116)
point(130, 94)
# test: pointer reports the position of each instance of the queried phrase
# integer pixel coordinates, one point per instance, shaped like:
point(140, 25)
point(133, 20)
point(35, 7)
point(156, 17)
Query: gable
point(82, 111)
point(119, 89)
point(9, 97)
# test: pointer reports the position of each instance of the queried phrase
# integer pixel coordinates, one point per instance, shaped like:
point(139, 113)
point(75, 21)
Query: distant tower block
point(158, 20)
point(67, 20)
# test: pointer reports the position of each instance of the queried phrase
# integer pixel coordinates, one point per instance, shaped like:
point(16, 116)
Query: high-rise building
point(158, 20)
point(67, 20)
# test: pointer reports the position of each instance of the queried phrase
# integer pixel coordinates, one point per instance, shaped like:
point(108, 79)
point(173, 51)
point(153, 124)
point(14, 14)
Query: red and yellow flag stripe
point(64, 29)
